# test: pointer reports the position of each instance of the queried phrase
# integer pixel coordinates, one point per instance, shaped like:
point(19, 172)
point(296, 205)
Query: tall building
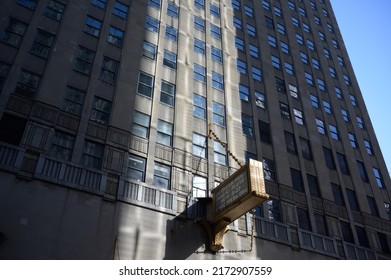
point(118, 119)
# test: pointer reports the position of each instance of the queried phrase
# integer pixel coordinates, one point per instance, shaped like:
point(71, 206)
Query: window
point(42, 44)
point(216, 54)
point(332, 72)
point(99, 3)
point(218, 113)
point(298, 116)
point(269, 22)
point(155, 3)
point(235, 4)
point(269, 170)
point(362, 236)
point(347, 233)
point(313, 185)
point(297, 180)
point(244, 93)
point(120, 10)
point(333, 132)
point(341, 61)
point(108, 72)
point(317, 20)
point(145, 84)
point(152, 24)
point(28, 84)
point(305, 148)
point(281, 28)
point(321, 225)
point(368, 147)
point(345, 115)
point(304, 57)
point(92, 154)
point(62, 146)
point(337, 193)
point(248, 11)
point(295, 22)
point(335, 44)
point(387, 207)
point(315, 63)
point(237, 23)
point(220, 153)
point(254, 51)
point(171, 33)
point(310, 45)
point(284, 47)
point(162, 176)
point(241, 66)
point(149, 50)
point(313, 5)
point(164, 133)
point(74, 100)
point(373, 206)
point(302, 12)
point(309, 79)
point(321, 36)
point(274, 210)
point(199, 144)
point(293, 91)
point(4, 70)
point(321, 84)
point(256, 73)
point(31, 4)
point(314, 101)
point(214, 10)
point(326, 53)
point(290, 143)
point(92, 26)
point(352, 199)
point(84, 59)
point(199, 106)
point(276, 62)
point(14, 33)
point(239, 43)
point(338, 93)
point(247, 125)
point(289, 68)
point(362, 171)
point(329, 159)
point(136, 168)
point(353, 100)
point(172, 9)
point(346, 79)
point(284, 109)
point(199, 46)
point(199, 73)
point(384, 245)
point(199, 23)
point(251, 30)
point(12, 129)
point(260, 99)
point(140, 124)
point(352, 139)
point(167, 93)
point(217, 81)
point(343, 166)
point(100, 111)
point(200, 4)
point(277, 11)
point(54, 10)
point(299, 39)
point(264, 131)
point(280, 84)
point(320, 126)
point(169, 59)
point(291, 6)
point(215, 31)
point(199, 186)
point(303, 219)
point(115, 36)
point(360, 122)
point(378, 177)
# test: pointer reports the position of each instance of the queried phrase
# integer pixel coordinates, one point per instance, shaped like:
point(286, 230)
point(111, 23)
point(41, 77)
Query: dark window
point(92, 26)
point(83, 61)
point(303, 219)
point(13, 34)
point(373, 206)
point(120, 9)
point(305, 149)
point(42, 43)
point(378, 177)
point(264, 131)
point(169, 59)
point(387, 207)
point(74, 100)
point(55, 10)
point(384, 245)
point(274, 211)
point(280, 84)
point(362, 171)
point(31, 4)
point(100, 111)
point(167, 93)
point(108, 72)
point(247, 125)
point(343, 166)
point(12, 129)
point(164, 133)
point(321, 225)
point(115, 36)
point(269, 170)
point(328, 157)
point(28, 84)
point(162, 176)
point(93, 154)
point(352, 199)
point(100, 3)
point(337, 193)
point(297, 180)
point(347, 233)
point(145, 85)
point(313, 185)
point(284, 109)
point(136, 168)
point(4, 70)
point(62, 146)
point(290, 143)
point(362, 236)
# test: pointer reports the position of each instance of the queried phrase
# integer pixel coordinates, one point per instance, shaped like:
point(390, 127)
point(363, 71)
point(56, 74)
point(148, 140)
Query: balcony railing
point(319, 243)
point(354, 252)
point(272, 230)
point(10, 157)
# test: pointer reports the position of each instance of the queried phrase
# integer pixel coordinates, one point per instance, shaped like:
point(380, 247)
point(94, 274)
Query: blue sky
point(366, 30)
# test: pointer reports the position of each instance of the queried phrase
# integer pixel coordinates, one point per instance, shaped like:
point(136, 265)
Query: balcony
point(354, 252)
point(317, 243)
